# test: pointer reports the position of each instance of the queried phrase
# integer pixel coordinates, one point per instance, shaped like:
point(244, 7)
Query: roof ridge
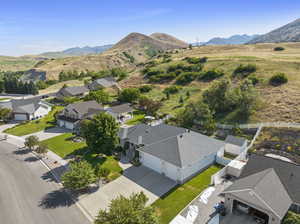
point(266, 172)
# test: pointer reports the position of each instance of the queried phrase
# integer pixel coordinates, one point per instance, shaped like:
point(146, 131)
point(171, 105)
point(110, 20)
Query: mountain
point(235, 39)
point(128, 52)
point(286, 33)
point(168, 39)
point(77, 51)
point(140, 47)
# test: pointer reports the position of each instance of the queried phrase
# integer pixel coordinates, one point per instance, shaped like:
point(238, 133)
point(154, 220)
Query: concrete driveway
point(134, 180)
point(49, 133)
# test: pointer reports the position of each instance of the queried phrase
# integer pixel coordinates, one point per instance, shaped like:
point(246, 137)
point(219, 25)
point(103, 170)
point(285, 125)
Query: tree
point(129, 95)
point(128, 211)
point(149, 106)
point(5, 113)
point(41, 149)
point(216, 96)
point(99, 95)
point(190, 46)
point(181, 101)
point(197, 114)
point(102, 172)
point(31, 141)
point(79, 176)
point(291, 218)
point(101, 133)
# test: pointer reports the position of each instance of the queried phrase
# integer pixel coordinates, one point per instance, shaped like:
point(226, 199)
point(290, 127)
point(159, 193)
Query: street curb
point(81, 208)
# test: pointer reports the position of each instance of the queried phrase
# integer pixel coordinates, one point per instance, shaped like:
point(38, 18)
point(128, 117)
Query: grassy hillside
point(281, 103)
point(16, 63)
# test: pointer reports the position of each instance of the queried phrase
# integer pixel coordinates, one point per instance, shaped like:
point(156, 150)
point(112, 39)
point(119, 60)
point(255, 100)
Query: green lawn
point(2, 99)
point(35, 126)
point(138, 117)
point(171, 204)
point(63, 146)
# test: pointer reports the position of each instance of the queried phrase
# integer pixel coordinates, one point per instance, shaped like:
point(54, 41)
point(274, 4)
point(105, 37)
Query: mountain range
point(235, 39)
point(77, 51)
point(287, 33)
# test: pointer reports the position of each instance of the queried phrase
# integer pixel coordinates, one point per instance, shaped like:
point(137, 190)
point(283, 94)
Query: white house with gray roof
point(172, 151)
point(27, 109)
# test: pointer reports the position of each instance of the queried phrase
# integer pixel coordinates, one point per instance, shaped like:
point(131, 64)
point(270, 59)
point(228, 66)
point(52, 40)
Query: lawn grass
point(138, 117)
point(171, 204)
point(63, 146)
point(35, 126)
point(2, 99)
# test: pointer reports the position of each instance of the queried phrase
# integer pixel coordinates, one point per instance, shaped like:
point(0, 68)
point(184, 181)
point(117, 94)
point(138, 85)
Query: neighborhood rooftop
point(85, 107)
point(149, 134)
point(74, 90)
point(106, 81)
point(122, 108)
point(184, 148)
point(23, 105)
point(255, 189)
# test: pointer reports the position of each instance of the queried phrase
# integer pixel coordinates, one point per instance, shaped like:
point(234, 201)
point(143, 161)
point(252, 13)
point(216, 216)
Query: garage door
point(151, 162)
point(69, 125)
point(20, 117)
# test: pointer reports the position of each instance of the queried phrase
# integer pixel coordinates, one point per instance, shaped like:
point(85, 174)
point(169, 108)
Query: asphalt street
point(29, 194)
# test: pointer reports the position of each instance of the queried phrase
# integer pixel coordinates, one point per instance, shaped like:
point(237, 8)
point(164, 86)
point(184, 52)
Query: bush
point(172, 90)
point(145, 88)
point(186, 78)
point(194, 60)
point(129, 95)
point(279, 49)
point(278, 79)
point(163, 77)
point(254, 80)
point(291, 218)
point(244, 70)
point(211, 75)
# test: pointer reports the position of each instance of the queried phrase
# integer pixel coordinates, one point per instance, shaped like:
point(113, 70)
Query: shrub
point(279, 49)
point(129, 95)
point(172, 89)
point(186, 78)
point(163, 77)
point(194, 60)
point(291, 218)
point(244, 70)
point(211, 75)
point(145, 88)
point(254, 80)
point(278, 79)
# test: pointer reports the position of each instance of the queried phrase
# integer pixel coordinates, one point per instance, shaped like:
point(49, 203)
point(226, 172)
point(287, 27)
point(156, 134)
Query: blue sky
point(34, 26)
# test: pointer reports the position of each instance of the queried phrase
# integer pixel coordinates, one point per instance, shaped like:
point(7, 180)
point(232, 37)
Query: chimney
point(140, 140)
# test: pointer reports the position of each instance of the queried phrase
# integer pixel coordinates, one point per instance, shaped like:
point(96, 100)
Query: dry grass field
point(281, 103)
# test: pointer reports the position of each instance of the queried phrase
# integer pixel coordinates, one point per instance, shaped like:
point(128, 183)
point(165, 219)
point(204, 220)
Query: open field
point(35, 126)
point(171, 204)
point(16, 63)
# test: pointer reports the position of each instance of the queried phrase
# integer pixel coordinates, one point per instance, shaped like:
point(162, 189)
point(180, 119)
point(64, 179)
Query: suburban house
point(102, 83)
point(235, 145)
point(267, 188)
point(122, 112)
point(72, 114)
point(73, 91)
point(27, 109)
point(175, 152)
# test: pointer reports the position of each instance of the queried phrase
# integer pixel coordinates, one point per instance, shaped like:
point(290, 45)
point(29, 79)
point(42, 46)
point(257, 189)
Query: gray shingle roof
point(150, 134)
point(102, 83)
point(255, 189)
point(184, 149)
point(85, 108)
point(122, 108)
point(72, 91)
point(288, 173)
point(27, 106)
point(235, 140)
